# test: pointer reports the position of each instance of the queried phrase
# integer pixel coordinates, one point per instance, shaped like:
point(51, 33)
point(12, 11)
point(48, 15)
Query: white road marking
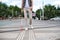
point(31, 35)
point(21, 35)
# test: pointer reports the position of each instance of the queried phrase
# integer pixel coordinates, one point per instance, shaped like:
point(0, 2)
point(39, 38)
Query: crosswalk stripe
point(21, 35)
point(31, 35)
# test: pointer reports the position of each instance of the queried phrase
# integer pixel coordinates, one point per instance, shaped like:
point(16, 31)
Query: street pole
point(43, 10)
point(12, 12)
point(16, 13)
point(40, 14)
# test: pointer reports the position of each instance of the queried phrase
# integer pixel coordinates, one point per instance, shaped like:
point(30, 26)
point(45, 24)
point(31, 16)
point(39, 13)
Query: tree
point(38, 13)
point(17, 11)
point(58, 11)
point(49, 11)
point(3, 9)
point(14, 10)
point(6, 11)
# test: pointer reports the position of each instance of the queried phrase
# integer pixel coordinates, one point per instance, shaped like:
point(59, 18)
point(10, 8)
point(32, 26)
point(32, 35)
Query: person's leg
point(30, 16)
point(25, 16)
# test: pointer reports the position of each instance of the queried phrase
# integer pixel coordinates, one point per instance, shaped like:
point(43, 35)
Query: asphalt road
point(42, 30)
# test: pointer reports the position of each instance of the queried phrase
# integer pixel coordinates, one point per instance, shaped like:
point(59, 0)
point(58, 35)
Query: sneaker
point(31, 26)
point(26, 28)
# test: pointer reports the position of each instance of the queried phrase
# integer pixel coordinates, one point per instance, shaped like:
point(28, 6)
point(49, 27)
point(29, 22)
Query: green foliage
point(38, 13)
point(50, 11)
point(58, 11)
point(6, 11)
